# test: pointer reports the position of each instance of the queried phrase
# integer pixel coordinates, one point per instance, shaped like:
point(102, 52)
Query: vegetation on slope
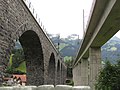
point(22, 67)
point(16, 63)
point(109, 78)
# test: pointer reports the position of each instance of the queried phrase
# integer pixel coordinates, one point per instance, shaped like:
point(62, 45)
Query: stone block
point(63, 87)
point(25, 88)
point(81, 88)
point(6, 88)
point(45, 87)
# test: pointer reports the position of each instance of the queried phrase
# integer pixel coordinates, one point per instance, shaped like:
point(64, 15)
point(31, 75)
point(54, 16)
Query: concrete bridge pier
point(80, 75)
point(84, 72)
point(95, 65)
point(77, 75)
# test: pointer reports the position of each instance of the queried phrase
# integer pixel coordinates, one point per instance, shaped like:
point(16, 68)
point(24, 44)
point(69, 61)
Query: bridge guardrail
point(46, 87)
point(34, 13)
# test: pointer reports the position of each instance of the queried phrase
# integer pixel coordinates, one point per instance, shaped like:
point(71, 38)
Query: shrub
point(109, 78)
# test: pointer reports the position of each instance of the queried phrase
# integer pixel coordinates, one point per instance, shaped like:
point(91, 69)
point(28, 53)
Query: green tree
point(68, 61)
point(109, 78)
point(18, 57)
point(16, 62)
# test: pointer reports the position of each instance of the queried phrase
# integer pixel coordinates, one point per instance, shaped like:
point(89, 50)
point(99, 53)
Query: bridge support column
point(95, 65)
point(77, 75)
point(84, 72)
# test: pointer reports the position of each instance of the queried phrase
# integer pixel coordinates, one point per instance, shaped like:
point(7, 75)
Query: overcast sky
point(63, 17)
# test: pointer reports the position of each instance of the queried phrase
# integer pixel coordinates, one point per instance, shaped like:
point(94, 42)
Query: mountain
point(69, 47)
point(69, 50)
point(111, 50)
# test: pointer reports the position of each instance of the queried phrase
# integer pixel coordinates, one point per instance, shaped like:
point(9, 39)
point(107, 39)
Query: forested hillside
point(69, 46)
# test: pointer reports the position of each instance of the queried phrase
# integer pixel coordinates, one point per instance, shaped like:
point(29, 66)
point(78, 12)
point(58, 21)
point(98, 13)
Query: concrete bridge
point(43, 61)
point(104, 22)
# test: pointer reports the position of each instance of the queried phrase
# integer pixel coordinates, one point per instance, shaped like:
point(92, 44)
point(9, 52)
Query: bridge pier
point(77, 74)
point(80, 73)
point(84, 72)
point(95, 65)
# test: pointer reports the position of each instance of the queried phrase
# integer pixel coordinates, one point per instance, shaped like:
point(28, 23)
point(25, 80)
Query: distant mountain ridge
point(110, 50)
point(69, 47)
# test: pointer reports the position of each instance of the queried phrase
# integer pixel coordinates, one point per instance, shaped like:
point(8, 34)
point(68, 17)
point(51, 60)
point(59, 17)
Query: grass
point(22, 67)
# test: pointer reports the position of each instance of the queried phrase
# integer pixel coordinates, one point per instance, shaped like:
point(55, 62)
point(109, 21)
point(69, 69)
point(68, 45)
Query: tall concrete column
point(77, 75)
point(84, 72)
point(95, 65)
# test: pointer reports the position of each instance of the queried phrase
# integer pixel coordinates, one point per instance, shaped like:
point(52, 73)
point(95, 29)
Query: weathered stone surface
point(24, 88)
point(58, 78)
point(17, 23)
point(64, 74)
point(45, 87)
point(51, 70)
point(81, 88)
point(6, 88)
point(63, 87)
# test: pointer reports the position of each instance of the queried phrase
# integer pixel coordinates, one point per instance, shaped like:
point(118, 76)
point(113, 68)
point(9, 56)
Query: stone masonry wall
point(15, 20)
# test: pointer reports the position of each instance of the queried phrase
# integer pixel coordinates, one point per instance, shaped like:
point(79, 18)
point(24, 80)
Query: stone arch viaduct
point(44, 63)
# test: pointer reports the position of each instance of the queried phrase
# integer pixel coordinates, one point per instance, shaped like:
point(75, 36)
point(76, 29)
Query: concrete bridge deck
point(102, 25)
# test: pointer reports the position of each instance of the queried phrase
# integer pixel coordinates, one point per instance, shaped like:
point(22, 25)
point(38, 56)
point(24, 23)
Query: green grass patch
point(22, 67)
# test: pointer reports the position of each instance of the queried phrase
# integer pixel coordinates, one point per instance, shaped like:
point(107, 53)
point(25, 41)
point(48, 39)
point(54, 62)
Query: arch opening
point(51, 70)
point(58, 73)
point(34, 58)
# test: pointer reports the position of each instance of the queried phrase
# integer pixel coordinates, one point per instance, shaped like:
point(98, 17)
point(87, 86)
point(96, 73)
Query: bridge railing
point(46, 87)
point(34, 13)
point(36, 16)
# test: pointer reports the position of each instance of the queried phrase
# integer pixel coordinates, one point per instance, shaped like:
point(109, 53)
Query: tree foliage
point(68, 61)
point(18, 57)
point(16, 62)
point(109, 78)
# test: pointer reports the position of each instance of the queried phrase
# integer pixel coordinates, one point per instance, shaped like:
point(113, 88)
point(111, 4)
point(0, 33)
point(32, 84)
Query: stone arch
point(51, 70)
point(58, 72)
point(34, 57)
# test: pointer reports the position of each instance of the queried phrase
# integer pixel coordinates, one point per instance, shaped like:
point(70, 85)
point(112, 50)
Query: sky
point(63, 17)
